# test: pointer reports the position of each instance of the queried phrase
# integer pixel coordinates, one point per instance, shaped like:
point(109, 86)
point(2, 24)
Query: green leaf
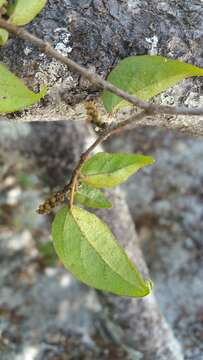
point(24, 11)
point(105, 170)
point(14, 95)
point(3, 33)
point(2, 2)
point(3, 36)
point(145, 77)
point(87, 248)
point(91, 197)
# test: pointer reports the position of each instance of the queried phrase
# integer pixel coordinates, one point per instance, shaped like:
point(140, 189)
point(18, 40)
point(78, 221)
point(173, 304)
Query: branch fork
point(148, 109)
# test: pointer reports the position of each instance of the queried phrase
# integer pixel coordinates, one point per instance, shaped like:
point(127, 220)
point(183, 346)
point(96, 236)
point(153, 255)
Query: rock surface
point(59, 304)
point(98, 34)
point(165, 202)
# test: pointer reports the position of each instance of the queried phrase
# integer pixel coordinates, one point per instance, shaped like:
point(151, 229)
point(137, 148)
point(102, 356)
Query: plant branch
point(70, 188)
point(148, 108)
point(187, 125)
point(142, 118)
point(95, 79)
point(104, 136)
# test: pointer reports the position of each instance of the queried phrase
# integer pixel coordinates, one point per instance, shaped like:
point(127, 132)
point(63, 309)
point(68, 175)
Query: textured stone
point(98, 34)
point(116, 318)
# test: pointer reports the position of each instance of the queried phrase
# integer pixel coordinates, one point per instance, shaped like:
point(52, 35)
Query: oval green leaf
point(91, 197)
point(24, 11)
point(105, 170)
point(146, 76)
point(88, 249)
point(14, 95)
point(3, 36)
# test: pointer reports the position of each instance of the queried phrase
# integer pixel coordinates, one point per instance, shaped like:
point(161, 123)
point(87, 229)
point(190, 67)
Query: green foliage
point(90, 197)
point(83, 242)
point(3, 33)
point(105, 170)
point(14, 95)
point(86, 246)
point(2, 2)
point(21, 12)
point(24, 11)
point(3, 36)
point(145, 77)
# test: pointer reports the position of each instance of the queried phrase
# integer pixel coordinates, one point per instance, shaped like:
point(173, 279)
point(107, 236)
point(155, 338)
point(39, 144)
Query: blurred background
point(45, 313)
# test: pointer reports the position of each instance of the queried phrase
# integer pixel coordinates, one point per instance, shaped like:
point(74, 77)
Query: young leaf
point(14, 95)
point(3, 36)
point(23, 11)
point(146, 76)
point(105, 170)
point(91, 197)
point(87, 248)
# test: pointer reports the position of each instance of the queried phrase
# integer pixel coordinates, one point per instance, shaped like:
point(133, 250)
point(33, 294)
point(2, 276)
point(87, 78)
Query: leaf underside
point(91, 197)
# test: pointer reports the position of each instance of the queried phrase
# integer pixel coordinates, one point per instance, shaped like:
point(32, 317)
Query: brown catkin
point(92, 112)
point(54, 200)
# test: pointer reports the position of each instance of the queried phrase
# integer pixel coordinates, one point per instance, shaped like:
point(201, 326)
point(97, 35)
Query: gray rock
point(166, 204)
point(54, 302)
point(98, 34)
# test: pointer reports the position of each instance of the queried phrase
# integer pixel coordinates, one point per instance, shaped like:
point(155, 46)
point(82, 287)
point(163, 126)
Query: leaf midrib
point(183, 73)
point(109, 173)
point(127, 281)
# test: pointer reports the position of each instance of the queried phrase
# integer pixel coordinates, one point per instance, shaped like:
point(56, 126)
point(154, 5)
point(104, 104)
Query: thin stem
point(70, 188)
point(103, 137)
point(148, 108)
point(95, 79)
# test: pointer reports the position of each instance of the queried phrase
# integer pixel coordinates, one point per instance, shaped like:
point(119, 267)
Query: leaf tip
point(149, 286)
point(151, 160)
